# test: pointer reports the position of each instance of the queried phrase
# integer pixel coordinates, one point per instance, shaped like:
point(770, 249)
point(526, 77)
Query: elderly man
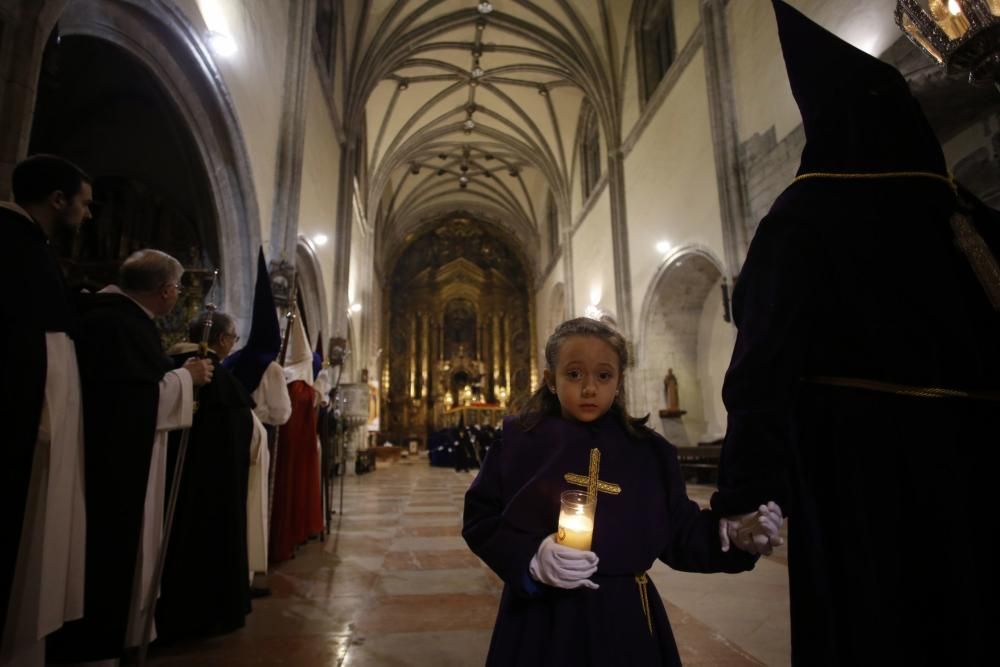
point(205, 589)
point(41, 488)
point(132, 397)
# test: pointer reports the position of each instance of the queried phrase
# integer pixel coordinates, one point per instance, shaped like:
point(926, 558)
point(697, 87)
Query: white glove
point(563, 567)
point(755, 533)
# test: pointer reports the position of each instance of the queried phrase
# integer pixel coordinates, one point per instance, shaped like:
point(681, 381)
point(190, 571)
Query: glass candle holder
point(576, 520)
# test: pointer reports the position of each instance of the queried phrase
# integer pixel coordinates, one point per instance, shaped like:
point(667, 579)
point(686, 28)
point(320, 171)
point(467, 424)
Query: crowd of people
point(103, 420)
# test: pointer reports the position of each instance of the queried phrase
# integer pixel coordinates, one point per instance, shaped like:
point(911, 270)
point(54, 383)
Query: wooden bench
point(700, 464)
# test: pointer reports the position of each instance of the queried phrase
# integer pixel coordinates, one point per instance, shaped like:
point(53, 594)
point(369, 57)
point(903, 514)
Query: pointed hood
point(264, 342)
point(299, 361)
point(857, 111)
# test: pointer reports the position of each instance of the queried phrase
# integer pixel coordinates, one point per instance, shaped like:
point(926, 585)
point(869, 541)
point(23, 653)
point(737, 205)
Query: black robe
point(121, 364)
point(888, 499)
point(514, 504)
point(205, 589)
point(35, 302)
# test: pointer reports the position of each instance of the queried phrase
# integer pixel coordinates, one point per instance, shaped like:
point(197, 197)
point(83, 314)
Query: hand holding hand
point(201, 370)
point(756, 533)
point(562, 566)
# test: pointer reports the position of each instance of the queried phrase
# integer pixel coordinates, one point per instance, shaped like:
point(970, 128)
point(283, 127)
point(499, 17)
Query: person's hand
point(756, 533)
point(201, 370)
point(561, 566)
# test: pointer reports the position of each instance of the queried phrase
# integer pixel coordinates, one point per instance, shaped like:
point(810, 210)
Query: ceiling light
point(222, 43)
point(477, 72)
point(484, 7)
point(414, 169)
point(404, 84)
point(320, 239)
point(663, 247)
point(543, 91)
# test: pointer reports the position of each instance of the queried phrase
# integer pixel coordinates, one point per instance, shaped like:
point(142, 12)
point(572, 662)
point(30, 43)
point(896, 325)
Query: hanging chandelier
point(961, 35)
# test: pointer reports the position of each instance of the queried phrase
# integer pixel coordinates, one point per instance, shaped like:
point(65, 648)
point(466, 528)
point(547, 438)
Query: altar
point(484, 414)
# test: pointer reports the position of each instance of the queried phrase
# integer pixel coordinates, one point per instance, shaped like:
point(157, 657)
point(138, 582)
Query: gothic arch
point(310, 280)
point(171, 48)
point(682, 328)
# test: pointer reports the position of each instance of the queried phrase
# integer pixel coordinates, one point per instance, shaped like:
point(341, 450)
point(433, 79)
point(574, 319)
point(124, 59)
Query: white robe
point(273, 406)
point(175, 411)
point(48, 579)
point(260, 464)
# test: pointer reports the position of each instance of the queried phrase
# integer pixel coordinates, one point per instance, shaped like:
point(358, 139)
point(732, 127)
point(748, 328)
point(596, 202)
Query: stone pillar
point(288, 172)
point(733, 207)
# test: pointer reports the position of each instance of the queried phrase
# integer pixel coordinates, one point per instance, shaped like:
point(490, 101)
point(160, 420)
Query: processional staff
point(175, 487)
point(290, 317)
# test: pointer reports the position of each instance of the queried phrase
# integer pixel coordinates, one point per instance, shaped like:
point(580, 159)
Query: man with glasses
point(205, 589)
point(132, 398)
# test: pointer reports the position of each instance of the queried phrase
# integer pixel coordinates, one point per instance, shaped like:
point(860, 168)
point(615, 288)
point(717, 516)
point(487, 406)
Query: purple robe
point(514, 504)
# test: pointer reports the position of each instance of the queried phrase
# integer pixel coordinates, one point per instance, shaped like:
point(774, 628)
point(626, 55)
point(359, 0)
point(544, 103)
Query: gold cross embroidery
point(592, 481)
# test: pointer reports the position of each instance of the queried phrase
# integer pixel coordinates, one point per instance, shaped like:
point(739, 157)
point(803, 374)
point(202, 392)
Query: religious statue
point(673, 409)
point(670, 389)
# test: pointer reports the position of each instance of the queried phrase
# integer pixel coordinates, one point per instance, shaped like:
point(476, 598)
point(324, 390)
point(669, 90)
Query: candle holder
point(576, 520)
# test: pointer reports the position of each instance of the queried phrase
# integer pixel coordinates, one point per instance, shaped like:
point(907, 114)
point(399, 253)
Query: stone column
point(733, 207)
point(288, 171)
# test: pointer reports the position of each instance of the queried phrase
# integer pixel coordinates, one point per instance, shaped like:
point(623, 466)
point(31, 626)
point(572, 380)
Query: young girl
point(563, 606)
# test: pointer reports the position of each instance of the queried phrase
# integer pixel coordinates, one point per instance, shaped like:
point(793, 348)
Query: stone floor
point(395, 585)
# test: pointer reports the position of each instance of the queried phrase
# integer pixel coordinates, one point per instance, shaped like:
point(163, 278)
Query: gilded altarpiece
point(459, 329)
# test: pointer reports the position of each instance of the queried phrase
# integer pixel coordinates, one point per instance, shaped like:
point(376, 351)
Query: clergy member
point(42, 516)
point(864, 389)
point(132, 398)
point(204, 591)
point(255, 366)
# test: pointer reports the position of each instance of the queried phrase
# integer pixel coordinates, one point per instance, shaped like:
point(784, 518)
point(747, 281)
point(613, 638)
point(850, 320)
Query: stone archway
point(683, 329)
point(170, 49)
point(311, 294)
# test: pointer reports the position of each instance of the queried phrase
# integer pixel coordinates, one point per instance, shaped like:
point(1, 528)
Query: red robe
point(298, 508)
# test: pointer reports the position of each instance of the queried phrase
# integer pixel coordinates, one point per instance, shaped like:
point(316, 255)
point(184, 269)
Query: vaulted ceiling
point(471, 108)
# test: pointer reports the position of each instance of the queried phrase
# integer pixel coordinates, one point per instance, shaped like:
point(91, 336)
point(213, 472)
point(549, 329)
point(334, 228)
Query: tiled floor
point(395, 585)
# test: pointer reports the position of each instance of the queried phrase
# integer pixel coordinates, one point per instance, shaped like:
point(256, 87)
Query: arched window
point(326, 32)
point(655, 44)
point(590, 151)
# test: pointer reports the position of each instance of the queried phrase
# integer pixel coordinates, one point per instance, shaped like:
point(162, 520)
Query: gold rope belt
point(643, 582)
point(947, 180)
point(904, 390)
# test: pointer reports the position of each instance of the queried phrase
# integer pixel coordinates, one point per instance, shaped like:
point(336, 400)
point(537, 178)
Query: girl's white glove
point(561, 566)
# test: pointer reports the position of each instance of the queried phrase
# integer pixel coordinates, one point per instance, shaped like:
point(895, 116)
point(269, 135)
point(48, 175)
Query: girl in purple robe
point(563, 606)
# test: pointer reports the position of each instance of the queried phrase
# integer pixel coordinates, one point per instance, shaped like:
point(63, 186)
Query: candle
point(575, 530)
point(576, 520)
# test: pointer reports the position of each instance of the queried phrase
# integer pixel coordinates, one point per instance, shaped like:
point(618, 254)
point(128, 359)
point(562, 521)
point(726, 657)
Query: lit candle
point(576, 520)
point(575, 530)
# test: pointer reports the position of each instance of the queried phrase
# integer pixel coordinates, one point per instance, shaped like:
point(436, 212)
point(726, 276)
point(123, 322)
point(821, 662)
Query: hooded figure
point(298, 508)
point(255, 366)
point(863, 389)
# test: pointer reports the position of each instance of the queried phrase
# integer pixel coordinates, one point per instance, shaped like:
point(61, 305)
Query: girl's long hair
point(544, 403)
